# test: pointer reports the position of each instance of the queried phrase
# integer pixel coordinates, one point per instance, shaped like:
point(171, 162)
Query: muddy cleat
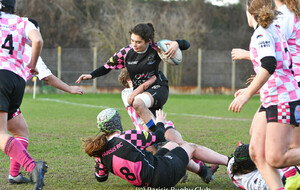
point(207, 173)
point(19, 179)
point(37, 174)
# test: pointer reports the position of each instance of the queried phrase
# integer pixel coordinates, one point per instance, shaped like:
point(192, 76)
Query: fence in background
point(202, 71)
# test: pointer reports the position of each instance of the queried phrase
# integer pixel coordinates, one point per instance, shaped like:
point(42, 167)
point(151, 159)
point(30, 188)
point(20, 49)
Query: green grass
point(56, 130)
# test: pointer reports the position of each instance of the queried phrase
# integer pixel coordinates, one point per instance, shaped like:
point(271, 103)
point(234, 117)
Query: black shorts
point(281, 113)
point(171, 167)
point(12, 88)
point(160, 94)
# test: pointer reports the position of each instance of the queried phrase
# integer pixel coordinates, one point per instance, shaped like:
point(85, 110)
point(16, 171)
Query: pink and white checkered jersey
point(289, 26)
point(282, 86)
point(14, 35)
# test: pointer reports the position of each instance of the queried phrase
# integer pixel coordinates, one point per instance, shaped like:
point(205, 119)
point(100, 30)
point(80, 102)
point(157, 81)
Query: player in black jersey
point(124, 154)
point(142, 61)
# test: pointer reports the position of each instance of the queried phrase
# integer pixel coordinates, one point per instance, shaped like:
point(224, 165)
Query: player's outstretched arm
point(240, 54)
point(59, 84)
point(84, 77)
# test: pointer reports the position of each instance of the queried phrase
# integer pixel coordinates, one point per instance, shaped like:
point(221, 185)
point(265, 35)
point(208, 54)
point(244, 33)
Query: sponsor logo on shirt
point(277, 26)
point(259, 36)
point(264, 44)
point(132, 62)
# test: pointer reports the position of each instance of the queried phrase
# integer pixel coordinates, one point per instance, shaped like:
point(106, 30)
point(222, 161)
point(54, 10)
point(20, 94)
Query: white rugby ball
point(162, 48)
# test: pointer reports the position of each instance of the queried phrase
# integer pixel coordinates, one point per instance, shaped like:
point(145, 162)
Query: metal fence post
point(59, 62)
point(94, 68)
point(233, 70)
point(199, 70)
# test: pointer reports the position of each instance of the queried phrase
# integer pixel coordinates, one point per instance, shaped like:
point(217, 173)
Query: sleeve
point(183, 44)
point(159, 132)
point(43, 69)
point(117, 61)
point(265, 45)
point(100, 72)
point(101, 172)
point(143, 139)
point(28, 27)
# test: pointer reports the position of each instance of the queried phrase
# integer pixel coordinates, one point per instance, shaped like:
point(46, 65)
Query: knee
point(138, 104)
point(275, 160)
point(255, 153)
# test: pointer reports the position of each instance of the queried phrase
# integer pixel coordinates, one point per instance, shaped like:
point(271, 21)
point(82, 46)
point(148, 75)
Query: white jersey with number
point(40, 65)
point(289, 26)
point(282, 86)
point(14, 35)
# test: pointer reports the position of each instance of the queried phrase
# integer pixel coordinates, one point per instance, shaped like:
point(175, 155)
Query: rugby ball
point(162, 48)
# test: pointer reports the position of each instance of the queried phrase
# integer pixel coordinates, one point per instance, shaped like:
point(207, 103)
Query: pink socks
point(17, 152)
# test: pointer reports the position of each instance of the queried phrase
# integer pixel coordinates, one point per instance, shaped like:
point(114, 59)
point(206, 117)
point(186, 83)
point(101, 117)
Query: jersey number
point(10, 46)
point(130, 176)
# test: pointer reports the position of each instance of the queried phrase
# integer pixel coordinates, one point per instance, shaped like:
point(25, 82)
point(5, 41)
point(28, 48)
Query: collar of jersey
point(144, 51)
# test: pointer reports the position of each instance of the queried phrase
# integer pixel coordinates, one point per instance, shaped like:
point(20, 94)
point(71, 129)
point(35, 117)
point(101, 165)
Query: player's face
point(138, 44)
point(249, 18)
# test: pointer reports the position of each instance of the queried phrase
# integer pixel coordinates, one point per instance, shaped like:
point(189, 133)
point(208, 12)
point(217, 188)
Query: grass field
point(58, 122)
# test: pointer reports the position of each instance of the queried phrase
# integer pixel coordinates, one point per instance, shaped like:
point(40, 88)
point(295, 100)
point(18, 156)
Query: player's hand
point(130, 99)
point(173, 46)
point(34, 71)
point(160, 116)
point(84, 77)
point(238, 54)
point(238, 102)
point(249, 80)
point(239, 92)
point(75, 90)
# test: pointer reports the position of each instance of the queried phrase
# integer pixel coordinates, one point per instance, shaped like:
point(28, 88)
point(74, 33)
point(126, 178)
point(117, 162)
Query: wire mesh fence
point(216, 69)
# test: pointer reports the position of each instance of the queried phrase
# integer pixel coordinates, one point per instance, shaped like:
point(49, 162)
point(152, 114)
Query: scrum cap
point(109, 120)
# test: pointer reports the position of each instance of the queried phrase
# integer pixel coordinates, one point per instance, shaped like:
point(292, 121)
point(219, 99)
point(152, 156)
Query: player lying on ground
point(244, 174)
point(123, 153)
point(128, 95)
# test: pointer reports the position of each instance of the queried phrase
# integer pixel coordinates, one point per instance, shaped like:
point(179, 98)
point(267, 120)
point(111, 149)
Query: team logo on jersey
point(259, 36)
point(151, 57)
point(277, 26)
point(146, 134)
point(264, 44)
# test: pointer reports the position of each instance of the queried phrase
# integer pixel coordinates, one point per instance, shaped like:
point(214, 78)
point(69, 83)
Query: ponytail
point(94, 147)
point(263, 11)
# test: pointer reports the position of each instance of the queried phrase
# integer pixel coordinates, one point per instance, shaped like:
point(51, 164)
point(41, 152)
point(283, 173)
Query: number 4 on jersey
point(10, 46)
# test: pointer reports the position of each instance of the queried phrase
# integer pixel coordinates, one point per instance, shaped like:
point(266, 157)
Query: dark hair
point(263, 11)
point(94, 147)
point(8, 6)
point(123, 77)
point(35, 22)
point(146, 31)
point(242, 161)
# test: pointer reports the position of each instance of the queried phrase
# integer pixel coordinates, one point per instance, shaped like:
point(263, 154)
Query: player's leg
point(19, 129)
point(141, 105)
point(296, 139)
point(277, 153)
point(257, 151)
